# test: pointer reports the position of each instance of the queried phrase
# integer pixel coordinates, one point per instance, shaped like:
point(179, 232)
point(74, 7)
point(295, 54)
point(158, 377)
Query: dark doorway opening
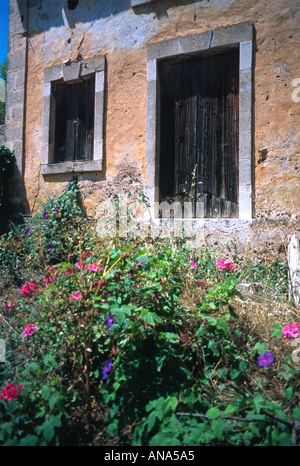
point(198, 128)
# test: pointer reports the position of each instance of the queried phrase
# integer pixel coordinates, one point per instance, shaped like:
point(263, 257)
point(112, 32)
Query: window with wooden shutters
point(199, 132)
point(73, 117)
point(200, 125)
point(74, 120)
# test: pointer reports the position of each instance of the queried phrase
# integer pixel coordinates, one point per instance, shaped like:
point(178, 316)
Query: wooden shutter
point(74, 121)
point(199, 132)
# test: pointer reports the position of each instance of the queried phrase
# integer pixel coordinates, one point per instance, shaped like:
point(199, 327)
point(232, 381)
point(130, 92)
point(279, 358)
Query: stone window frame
point(72, 72)
point(241, 35)
point(141, 2)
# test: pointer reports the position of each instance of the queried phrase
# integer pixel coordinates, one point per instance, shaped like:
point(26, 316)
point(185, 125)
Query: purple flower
point(45, 214)
point(51, 249)
point(28, 231)
point(109, 322)
point(56, 207)
point(107, 368)
point(266, 359)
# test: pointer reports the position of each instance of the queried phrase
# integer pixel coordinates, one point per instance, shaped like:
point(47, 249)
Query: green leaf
point(48, 427)
point(213, 413)
point(260, 348)
point(28, 441)
point(277, 331)
point(231, 408)
point(289, 393)
point(172, 337)
point(170, 403)
point(120, 312)
point(160, 362)
point(46, 392)
point(151, 317)
point(217, 426)
point(222, 324)
point(258, 402)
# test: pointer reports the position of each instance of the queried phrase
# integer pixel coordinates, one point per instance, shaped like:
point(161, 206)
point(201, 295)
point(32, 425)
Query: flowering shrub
point(142, 336)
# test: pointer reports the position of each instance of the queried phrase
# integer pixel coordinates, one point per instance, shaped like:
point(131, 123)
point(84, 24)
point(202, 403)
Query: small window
point(73, 117)
point(199, 109)
point(73, 120)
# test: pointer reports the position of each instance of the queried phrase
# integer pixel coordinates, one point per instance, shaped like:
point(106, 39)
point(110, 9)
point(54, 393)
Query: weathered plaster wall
point(122, 33)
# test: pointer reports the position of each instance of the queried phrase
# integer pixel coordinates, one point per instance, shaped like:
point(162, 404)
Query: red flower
point(11, 392)
point(224, 264)
point(28, 288)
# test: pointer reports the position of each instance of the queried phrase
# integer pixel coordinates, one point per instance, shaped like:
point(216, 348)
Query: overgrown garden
point(141, 341)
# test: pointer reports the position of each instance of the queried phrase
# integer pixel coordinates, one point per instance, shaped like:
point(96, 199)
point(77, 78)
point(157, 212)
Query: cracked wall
point(57, 34)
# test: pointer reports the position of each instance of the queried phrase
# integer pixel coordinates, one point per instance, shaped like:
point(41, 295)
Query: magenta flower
point(138, 265)
point(77, 295)
point(29, 330)
point(193, 265)
point(266, 359)
point(11, 306)
point(28, 288)
point(45, 214)
point(28, 231)
point(50, 279)
point(291, 330)
point(56, 208)
point(11, 392)
point(224, 264)
point(79, 264)
point(94, 267)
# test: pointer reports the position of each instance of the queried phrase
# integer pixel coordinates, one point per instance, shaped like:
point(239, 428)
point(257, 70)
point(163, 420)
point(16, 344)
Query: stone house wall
point(130, 35)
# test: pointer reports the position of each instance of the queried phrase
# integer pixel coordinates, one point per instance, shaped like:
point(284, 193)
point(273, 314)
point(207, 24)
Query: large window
point(199, 122)
point(198, 150)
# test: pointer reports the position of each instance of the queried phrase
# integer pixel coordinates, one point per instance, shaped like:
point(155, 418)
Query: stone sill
point(222, 224)
point(141, 2)
point(71, 167)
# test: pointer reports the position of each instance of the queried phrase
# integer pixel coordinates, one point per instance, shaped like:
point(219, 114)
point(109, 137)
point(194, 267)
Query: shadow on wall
point(55, 13)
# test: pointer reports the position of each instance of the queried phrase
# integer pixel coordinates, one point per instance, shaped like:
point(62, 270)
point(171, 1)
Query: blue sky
point(3, 28)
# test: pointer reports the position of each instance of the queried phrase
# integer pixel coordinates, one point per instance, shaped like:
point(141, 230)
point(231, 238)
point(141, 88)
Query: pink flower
point(224, 264)
point(28, 288)
point(193, 265)
point(29, 330)
point(138, 265)
point(11, 392)
point(94, 267)
point(11, 306)
point(79, 264)
point(291, 330)
point(77, 295)
point(50, 279)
